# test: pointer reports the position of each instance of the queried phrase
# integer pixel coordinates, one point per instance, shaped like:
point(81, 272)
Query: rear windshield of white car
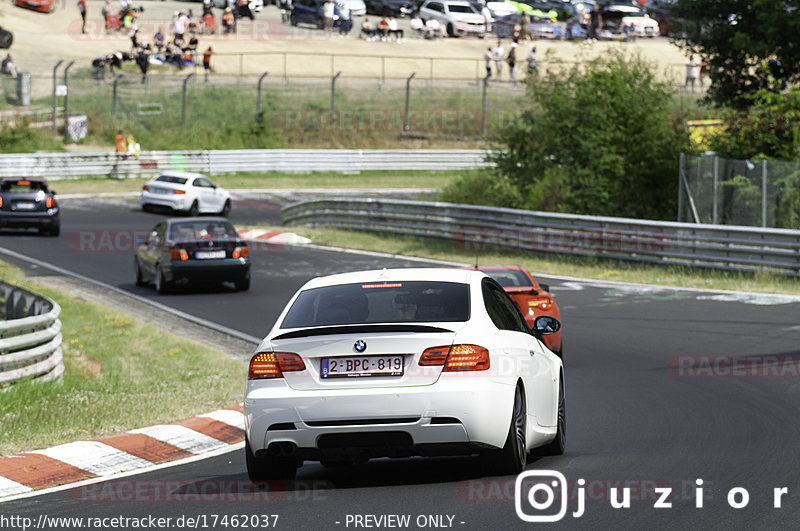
point(380, 302)
point(194, 231)
point(171, 179)
point(22, 186)
point(509, 278)
point(455, 8)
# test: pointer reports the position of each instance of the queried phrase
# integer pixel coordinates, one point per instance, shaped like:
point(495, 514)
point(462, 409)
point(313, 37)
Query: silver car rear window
point(171, 179)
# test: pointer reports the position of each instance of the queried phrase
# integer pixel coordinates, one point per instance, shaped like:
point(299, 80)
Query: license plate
point(360, 366)
point(24, 206)
point(205, 255)
point(160, 191)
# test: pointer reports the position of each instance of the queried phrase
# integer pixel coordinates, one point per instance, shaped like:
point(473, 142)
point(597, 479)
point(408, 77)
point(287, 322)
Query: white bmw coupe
point(399, 363)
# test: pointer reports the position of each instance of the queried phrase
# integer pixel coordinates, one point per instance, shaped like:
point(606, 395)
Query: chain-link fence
point(763, 193)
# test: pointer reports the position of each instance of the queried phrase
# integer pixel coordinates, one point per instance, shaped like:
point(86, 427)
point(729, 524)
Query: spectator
point(487, 57)
point(183, 23)
point(119, 145)
point(692, 71)
point(228, 21)
point(499, 57)
point(383, 29)
point(243, 9)
point(175, 53)
point(704, 72)
point(191, 22)
point(511, 59)
point(368, 30)
point(533, 68)
point(8, 67)
point(417, 26)
point(209, 24)
point(133, 147)
point(487, 21)
point(394, 30)
point(345, 19)
point(158, 40)
point(143, 60)
point(207, 61)
point(82, 11)
point(524, 21)
point(433, 29)
point(177, 25)
point(286, 10)
point(106, 12)
point(133, 33)
point(328, 11)
point(191, 47)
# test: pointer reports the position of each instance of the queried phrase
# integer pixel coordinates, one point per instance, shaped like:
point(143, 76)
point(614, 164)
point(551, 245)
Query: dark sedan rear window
point(380, 302)
point(22, 186)
point(509, 278)
point(192, 231)
point(171, 179)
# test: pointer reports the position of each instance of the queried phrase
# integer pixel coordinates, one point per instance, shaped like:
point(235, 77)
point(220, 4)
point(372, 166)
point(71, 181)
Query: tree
point(749, 45)
point(595, 138)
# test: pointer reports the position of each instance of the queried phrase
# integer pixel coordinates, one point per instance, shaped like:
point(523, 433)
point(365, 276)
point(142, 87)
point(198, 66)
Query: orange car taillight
point(179, 192)
point(1, 201)
point(265, 365)
point(457, 358)
point(50, 202)
point(146, 188)
point(178, 254)
point(241, 252)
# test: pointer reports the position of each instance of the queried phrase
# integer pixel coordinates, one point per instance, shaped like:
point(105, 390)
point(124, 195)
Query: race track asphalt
point(663, 387)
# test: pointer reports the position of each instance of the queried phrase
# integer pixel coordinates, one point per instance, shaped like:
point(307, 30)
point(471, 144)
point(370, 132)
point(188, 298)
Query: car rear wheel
point(320, 23)
point(293, 20)
point(243, 284)
point(137, 271)
point(269, 467)
point(193, 210)
point(513, 457)
point(226, 209)
point(162, 286)
point(559, 443)
point(451, 31)
point(147, 207)
point(52, 230)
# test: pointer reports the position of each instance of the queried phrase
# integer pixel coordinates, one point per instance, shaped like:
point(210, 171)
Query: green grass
point(560, 265)
point(120, 374)
point(276, 180)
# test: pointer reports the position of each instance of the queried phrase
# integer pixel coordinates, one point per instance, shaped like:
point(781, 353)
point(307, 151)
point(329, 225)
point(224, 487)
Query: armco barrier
point(480, 229)
point(30, 335)
point(56, 166)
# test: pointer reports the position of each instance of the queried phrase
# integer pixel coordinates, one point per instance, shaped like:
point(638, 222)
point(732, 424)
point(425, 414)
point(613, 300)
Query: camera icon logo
point(535, 493)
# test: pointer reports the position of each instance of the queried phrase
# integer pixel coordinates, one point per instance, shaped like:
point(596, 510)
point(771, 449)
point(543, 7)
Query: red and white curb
point(135, 450)
point(273, 236)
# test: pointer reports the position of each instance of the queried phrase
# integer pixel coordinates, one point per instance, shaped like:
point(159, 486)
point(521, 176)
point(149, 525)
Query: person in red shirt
point(207, 61)
point(82, 9)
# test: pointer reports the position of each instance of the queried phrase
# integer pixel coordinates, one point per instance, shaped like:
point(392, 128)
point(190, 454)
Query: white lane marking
point(567, 286)
point(95, 457)
point(762, 299)
point(10, 488)
point(182, 437)
point(220, 451)
point(228, 416)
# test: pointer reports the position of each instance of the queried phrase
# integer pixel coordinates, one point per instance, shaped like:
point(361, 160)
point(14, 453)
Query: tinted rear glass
point(189, 231)
point(392, 302)
point(22, 186)
point(455, 8)
point(508, 278)
point(171, 179)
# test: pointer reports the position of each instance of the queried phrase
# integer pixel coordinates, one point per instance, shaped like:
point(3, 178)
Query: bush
point(593, 138)
point(22, 139)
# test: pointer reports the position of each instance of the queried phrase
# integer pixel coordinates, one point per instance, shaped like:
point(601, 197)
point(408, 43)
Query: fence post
point(406, 126)
point(763, 192)
point(55, 98)
point(715, 193)
point(114, 97)
point(483, 105)
point(66, 100)
point(333, 96)
point(285, 67)
point(258, 103)
point(680, 187)
point(183, 100)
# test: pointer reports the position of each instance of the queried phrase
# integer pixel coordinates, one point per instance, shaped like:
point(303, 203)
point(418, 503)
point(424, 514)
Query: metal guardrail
point(481, 229)
point(56, 166)
point(30, 336)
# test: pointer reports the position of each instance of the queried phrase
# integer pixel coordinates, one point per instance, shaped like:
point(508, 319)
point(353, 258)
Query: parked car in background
point(617, 17)
point(539, 28)
point(458, 17)
point(310, 12)
point(27, 202)
point(43, 6)
point(192, 250)
point(191, 193)
point(400, 363)
point(394, 8)
point(356, 7)
point(532, 298)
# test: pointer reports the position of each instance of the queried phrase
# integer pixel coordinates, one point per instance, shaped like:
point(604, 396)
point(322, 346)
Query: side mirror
point(53, 192)
point(545, 287)
point(545, 325)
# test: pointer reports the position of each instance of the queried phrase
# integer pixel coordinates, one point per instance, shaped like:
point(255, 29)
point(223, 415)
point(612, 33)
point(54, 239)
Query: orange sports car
point(533, 299)
point(44, 6)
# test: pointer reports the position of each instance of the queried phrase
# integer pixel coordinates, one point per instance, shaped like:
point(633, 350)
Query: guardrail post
point(114, 97)
point(679, 218)
point(763, 192)
point(259, 118)
point(483, 106)
point(333, 96)
point(66, 100)
point(408, 91)
point(714, 194)
point(55, 98)
point(183, 100)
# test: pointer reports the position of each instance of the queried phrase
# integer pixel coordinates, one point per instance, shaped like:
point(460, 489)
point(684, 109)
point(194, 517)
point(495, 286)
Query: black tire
point(513, 457)
point(293, 20)
point(331, 463)
point(161, 284)
point(147, 207)
point(137, 272)
point(451, 31)
point(559, 443)
point(243, 284)
point(193, 210)
point(320, 23)
point(6, 39)
point(269, 467)
point(53, 230)
point(226, 209)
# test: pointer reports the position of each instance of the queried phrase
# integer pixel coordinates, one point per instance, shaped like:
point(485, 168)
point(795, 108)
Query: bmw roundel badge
point(360, 345)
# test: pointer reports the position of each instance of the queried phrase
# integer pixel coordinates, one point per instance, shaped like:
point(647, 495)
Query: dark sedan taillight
point(50, 202)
